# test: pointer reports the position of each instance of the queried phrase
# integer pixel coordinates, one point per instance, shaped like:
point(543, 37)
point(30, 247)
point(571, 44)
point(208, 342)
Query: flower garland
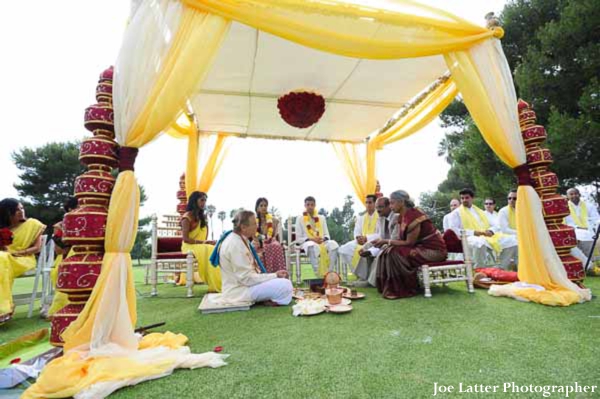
point(269, 219)
point(6, 237)
point(309, 228)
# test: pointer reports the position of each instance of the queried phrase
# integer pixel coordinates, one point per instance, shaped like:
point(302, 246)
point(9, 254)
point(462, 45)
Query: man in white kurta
point(243, 280)
point(482, 239)
point(584, 218)
point(313, 237)
point(364, 232)
point(454, 203)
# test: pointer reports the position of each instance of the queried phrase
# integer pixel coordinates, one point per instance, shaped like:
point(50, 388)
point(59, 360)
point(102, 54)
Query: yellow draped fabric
point(364, 179)
point(24, 236)
point(196, 143)
point(80, 373)
point(581, 221)
point(470, 222)
point(355, 30)
point(483, 77)
point(194, 46)
point(209, 274)
point(349, 156)
point(110, 314)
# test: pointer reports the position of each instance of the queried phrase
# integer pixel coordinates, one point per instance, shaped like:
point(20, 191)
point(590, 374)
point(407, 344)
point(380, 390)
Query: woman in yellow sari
point(61, 251)
point(17, 257)
point(194, 229)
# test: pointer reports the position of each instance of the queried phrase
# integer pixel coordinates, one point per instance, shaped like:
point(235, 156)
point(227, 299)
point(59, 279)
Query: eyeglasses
point(489, 203)
point(512, 198)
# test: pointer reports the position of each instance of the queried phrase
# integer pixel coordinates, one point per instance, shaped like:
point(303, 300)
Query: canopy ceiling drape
point(367, 58)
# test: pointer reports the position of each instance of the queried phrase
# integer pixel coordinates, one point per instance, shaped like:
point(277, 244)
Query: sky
point(55, 50)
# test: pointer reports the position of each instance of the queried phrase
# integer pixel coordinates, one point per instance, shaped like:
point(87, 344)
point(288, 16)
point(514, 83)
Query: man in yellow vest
point(481, 235)
point(364, 232)
point(584, 218)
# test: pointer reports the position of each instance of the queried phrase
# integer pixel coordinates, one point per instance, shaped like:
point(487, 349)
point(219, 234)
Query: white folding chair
point(24, 299)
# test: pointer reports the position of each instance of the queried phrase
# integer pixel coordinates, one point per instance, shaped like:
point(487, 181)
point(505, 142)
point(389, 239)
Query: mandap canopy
point(385, 67)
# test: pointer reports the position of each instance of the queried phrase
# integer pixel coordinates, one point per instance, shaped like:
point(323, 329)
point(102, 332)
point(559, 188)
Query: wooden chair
point(449, 271)
point(37, 273)
point(167, 257)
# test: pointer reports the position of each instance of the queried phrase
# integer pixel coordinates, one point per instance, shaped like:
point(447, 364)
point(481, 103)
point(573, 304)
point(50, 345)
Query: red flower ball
point(301, 109)
point(6, 237)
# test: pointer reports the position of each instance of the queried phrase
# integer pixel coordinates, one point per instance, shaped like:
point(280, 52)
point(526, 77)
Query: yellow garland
point(312, 233)
point(269, 221)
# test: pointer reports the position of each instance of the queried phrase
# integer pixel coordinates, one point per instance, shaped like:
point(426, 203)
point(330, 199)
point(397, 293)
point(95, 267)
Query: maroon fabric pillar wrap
point(127, 157)
point(523, 177)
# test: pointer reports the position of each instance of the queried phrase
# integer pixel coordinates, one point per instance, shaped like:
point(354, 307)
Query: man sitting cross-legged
point(313, 236)
point(365, 230)
point(244, 278)
point(482, 236)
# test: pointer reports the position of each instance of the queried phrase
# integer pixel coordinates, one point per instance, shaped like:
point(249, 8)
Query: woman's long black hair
point(258, 201)
point(8, 207)
point(192, 206)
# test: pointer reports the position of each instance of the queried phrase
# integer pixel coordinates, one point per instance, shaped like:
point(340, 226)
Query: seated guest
point(245, 280)
point(267, 238)
point(364, 231)
point(18, 256)
point(313, 236)
point(454, 203)
point(584, 218)
point(507, 217)
point(419, 242)
point(482, 236)
point(490, 211)
point(194, 229)
point(387, 227)
point(61, 251)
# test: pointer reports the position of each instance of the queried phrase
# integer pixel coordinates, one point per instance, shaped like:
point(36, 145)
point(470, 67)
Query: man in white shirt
point(365, 230)
point(313, 237)
point(506, 216)
point(584, 218)
point(490, 211)
point(481, 235)
point(454, 203)
point(244, 280)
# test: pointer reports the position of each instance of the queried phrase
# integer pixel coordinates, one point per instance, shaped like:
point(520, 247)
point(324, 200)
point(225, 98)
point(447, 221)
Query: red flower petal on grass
point(15, 360)
point(218, 349)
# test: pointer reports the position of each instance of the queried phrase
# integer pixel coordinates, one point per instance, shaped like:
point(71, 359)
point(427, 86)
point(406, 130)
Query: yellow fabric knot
point(498, 32)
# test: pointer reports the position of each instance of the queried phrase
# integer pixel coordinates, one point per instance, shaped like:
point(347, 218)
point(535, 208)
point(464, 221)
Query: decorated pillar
point(545, 183)
point(182, 196)
point(85, 227)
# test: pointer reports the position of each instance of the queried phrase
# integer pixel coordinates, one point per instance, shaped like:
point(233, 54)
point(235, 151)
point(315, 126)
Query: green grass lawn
point(382, 349)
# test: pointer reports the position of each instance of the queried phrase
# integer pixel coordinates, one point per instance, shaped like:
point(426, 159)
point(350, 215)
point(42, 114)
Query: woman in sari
point(419, 243)
point(61, 251)
point(194, 228)
point(267, 238)
point(18, 256)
